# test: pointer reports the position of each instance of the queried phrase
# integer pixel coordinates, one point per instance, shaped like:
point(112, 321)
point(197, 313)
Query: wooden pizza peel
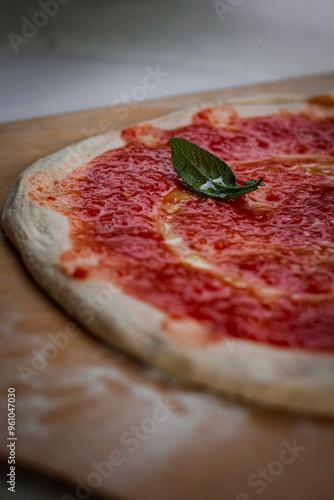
point(110, 426)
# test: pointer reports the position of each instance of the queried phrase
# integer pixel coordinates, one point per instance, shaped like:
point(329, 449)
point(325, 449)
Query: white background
point(93, 51)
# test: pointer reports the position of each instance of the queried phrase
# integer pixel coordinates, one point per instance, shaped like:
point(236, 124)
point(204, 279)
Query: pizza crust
point(281, 378)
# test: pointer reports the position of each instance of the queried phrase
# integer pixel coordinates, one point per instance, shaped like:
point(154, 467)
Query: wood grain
point(86, 400)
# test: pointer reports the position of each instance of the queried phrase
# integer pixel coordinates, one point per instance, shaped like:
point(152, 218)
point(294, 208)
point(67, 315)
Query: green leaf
point(206, 173)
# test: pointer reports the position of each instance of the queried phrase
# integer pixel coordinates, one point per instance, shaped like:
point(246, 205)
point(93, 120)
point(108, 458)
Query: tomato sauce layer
point(260, 267)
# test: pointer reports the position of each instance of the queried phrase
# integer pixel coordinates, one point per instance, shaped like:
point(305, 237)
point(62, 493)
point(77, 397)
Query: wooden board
point(85, 401)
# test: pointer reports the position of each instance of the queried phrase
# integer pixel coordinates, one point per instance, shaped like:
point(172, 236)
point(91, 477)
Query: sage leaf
point(205, 173)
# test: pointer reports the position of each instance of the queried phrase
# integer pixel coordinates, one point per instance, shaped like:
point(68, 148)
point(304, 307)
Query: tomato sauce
point(266, 260)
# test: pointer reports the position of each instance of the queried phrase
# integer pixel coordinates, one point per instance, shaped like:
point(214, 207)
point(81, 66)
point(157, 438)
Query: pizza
point(236, 296)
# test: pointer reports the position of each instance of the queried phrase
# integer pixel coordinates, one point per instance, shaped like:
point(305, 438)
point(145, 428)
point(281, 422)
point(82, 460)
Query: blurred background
point(66, 55)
